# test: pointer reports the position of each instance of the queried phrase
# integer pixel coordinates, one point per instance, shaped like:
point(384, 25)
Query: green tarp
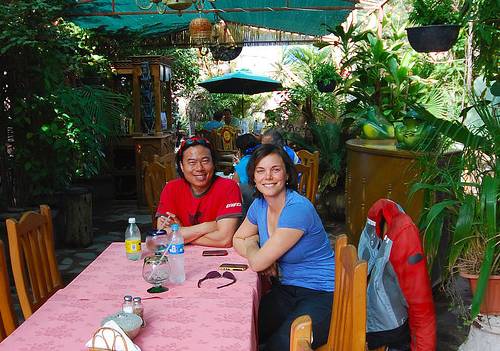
point(127, 16)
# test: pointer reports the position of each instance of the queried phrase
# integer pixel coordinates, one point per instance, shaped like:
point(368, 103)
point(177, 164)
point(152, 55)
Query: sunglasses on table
point(216, 275)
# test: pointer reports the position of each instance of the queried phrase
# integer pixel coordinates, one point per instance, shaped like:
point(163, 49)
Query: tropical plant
point(471, 188)
point(325, 74)
point(57, 131)
point(431, 12)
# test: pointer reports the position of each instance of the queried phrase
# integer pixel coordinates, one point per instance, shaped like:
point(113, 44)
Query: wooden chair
point(167, 160)
point(310, 184)
point(348, 321)
point(224, 141)
point(301, 333)
point(7, 319)
point(33, 258)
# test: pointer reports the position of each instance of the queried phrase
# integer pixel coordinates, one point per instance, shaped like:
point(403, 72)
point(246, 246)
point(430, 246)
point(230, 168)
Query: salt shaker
point(127, 305)
point(138, 308)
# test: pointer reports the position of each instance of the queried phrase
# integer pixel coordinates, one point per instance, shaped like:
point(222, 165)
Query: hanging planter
point(200, 30)
point(326, 77)
point(178, 5)
point(433, 38)
point(225, 53)
point(326, 87)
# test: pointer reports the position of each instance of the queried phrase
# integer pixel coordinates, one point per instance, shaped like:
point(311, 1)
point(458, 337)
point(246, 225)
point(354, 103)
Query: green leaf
point(463, 228)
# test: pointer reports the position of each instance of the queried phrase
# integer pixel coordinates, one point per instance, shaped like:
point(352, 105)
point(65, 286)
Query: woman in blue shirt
point(283, 230)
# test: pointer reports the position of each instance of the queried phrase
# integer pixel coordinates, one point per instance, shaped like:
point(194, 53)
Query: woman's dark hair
point(245, 142)
point(276, 137)
point(266, 150)
point(218, 116)
point(186, 144)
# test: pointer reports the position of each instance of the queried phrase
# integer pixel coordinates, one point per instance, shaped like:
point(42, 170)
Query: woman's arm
point(247, 229)
point(278, 244)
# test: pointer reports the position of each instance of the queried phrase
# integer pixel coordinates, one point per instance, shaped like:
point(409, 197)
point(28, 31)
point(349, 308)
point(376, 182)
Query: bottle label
point(132, 246)
point(176, 249)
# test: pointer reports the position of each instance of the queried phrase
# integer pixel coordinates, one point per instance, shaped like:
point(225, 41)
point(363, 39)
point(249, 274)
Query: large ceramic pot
point(491, 301)
point(433, 38)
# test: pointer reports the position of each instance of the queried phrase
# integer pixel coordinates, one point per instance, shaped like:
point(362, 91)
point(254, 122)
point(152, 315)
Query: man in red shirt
point(207, 207)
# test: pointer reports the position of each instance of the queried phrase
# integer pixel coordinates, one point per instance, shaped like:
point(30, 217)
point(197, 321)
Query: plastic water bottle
point(133, 240)
point(176, 256)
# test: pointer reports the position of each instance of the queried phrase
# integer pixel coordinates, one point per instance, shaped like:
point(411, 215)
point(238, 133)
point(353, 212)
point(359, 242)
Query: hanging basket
point(224, 53)
point(178, 5)
point(200, 30)
point(326, 88)
point(433, 38)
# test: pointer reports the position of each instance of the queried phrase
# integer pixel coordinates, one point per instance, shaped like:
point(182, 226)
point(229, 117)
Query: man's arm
point(215, 234)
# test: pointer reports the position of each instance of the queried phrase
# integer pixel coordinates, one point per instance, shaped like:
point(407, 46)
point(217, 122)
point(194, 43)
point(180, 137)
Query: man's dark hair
point(227, 110)
point(186, 144)
point(245, 142)
point(266, 150)
point(276, 136)
point(218, 116)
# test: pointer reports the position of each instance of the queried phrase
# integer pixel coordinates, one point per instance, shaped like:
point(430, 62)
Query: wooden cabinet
point(376, 169)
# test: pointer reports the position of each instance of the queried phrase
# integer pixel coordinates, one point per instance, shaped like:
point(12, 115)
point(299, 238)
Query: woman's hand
point(165, 221)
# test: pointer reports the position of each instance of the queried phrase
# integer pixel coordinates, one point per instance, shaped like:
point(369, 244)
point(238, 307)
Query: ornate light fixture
point(178, 5)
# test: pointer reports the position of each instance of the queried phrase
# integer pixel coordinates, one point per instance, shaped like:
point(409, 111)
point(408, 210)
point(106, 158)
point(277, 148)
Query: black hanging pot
point(225, 53)
point(435, 38)
point(326, 87)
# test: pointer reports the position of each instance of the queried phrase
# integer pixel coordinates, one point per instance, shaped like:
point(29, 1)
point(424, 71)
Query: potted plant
point(326, 77)
point(471, 188)
point(438, 30)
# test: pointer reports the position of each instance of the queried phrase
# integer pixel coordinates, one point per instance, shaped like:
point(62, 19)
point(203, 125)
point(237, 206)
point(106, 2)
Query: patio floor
point(110, 221)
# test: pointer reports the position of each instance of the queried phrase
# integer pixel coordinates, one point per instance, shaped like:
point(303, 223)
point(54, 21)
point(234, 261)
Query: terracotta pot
point(491, 301)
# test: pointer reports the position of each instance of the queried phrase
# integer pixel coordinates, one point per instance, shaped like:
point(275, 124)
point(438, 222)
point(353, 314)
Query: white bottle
point(176, 256)
point(133, 240)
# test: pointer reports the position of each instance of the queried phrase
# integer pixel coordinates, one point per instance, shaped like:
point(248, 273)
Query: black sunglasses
point(215, 275)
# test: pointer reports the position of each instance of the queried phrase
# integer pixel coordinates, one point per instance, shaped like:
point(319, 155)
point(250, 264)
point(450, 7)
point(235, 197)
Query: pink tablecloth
point(184, 318)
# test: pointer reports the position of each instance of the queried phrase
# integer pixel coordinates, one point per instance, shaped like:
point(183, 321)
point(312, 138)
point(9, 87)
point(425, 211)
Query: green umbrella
point(241, 83)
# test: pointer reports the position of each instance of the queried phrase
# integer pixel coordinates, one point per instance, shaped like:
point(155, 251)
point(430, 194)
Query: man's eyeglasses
point(194, 141)
point(215, 275)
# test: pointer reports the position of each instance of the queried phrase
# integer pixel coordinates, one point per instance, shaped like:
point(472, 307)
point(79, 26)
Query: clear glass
point(156, 270)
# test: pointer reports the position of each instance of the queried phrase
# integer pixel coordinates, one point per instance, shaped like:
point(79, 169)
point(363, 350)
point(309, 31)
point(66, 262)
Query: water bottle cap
point(174, 226)
point(131, 220)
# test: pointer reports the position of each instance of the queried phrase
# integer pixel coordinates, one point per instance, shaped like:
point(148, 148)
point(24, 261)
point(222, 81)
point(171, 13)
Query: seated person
point(216, 123)
point(229, 120)
point(273, 136)
point(246, 144)
point(397, 277)
point(283, 227)
point(207, 207)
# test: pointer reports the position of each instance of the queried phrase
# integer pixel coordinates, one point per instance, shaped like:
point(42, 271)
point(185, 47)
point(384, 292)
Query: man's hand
point(166, 220)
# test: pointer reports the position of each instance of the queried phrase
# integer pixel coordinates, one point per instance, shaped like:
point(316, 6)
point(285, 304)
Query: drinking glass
point(156, 270)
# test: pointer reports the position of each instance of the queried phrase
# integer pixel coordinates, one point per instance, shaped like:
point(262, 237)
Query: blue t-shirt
point(310, 263)
point(213, 125)
point(293, 156)
point(241, 169)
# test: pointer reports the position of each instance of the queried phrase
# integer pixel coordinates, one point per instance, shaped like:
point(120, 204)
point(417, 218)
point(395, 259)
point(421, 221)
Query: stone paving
point(110, 221)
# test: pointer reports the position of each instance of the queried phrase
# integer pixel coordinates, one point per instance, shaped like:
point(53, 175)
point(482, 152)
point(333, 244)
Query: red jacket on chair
point(402, 244)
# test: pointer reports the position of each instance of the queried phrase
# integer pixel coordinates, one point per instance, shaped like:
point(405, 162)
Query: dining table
point(186, 317)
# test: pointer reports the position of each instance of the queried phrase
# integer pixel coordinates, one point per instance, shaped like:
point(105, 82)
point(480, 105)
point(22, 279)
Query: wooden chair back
point(7, 319)
point(33, 258)
point(311, 161)
point(301, 333)
point(167, 160)
point(225, 140)
point(155, 178)
point(348, 321)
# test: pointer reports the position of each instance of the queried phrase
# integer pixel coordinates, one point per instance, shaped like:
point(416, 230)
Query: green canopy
point(307, 17)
